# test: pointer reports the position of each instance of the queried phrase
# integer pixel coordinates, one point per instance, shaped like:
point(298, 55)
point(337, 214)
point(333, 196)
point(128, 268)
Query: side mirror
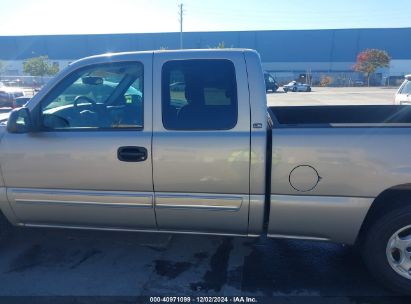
point(19, 121)
point(408, 77)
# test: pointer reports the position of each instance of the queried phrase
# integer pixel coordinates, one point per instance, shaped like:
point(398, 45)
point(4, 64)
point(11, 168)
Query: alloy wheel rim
point(398, 252)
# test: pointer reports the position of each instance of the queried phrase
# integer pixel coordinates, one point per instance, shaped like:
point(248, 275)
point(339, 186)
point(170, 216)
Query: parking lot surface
point(80, 263)
point(334, 96)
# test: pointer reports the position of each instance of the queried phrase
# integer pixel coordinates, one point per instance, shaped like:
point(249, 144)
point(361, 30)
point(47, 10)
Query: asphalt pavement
point(334, 96)
point(45, 262)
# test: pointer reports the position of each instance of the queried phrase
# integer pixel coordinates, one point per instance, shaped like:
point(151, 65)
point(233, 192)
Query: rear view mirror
point(92, 80)
point(19, 121)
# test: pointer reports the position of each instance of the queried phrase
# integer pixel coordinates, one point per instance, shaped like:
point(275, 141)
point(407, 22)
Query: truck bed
point(345, 116)
point(330, 162)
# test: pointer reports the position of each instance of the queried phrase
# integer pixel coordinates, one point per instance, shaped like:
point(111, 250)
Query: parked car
point(8, 96)
point(403, 95)
point(270, 83)
point(218, 161)
point(21, 101)
point(295, 86)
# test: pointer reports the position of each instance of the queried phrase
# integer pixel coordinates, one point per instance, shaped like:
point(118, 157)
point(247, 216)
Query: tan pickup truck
point(183, 142)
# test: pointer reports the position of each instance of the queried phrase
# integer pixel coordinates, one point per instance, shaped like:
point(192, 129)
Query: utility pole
point(180, 13)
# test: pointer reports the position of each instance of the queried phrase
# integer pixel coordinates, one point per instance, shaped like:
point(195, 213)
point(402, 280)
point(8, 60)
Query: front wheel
point(387, 250)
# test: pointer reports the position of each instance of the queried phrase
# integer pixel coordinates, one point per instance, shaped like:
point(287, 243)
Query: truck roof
point(129, 55)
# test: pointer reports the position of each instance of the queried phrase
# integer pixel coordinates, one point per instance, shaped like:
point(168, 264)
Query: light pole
point(180, 13)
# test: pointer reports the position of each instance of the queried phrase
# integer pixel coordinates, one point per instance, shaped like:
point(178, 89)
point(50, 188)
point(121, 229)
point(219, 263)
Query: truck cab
point(113, 145)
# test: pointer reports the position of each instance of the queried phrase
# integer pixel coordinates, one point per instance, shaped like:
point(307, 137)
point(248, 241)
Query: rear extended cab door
point(201, 141)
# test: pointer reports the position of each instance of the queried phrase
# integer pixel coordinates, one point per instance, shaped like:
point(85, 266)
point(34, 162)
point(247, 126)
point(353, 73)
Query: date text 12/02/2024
point(239, 299)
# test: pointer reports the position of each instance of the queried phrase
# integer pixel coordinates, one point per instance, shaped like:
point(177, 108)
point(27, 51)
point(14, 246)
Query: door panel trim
point(198, 201)
point(79, 203)
point(80, 198)
point(213, 213)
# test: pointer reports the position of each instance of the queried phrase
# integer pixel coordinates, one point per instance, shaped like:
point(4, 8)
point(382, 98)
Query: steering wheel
point(87, 99)
point(97, 115)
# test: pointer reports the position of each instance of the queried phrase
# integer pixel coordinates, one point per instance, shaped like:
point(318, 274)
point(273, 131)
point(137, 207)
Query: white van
point(403, 95)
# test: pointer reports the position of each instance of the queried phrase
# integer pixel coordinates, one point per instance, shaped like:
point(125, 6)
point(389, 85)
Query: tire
point(294, 89)
point(380, 250)
point(308, 89)
point(285, 90)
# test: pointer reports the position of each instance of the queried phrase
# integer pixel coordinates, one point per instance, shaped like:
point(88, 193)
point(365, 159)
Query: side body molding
point(202, 212)
point(204, 202)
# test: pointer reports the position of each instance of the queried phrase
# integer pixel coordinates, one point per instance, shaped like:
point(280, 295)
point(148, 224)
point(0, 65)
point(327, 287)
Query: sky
point(51, 17)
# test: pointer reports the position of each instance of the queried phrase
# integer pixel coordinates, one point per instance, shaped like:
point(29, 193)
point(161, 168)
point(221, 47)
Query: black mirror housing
point(19, 121)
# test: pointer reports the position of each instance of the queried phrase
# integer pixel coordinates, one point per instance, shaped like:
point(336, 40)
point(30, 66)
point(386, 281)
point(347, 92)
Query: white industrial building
point(286, 54)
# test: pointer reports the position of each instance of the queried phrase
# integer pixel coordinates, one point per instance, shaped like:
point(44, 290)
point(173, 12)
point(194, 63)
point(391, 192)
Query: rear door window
point(199, 95)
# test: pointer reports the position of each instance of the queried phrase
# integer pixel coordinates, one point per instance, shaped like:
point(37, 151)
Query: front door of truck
point(89, 165)
point(201, 142)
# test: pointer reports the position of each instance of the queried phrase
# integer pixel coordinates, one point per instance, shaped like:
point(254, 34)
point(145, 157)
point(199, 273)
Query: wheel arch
point(398, 196)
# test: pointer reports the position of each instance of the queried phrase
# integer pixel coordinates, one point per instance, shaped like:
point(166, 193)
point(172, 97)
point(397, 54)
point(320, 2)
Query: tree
point(220, 45)
point(40, 66)
point(368, 61)
point(325, 80)
point(54, 69)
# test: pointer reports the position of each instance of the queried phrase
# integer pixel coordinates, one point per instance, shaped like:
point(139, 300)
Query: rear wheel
point(387, 249)
point(309, 89)
point(295, 89)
